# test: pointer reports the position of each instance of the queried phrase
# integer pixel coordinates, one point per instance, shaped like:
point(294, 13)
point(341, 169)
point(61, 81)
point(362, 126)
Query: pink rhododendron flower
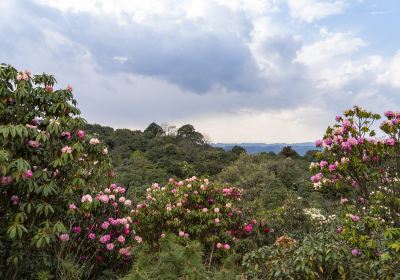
point(390, 142)
point(138, 239)
point(76, 229)
point(186, 235)
point(181, 233)
point(121, 239)
point(110, 246)
point(318, 143)
point(28, 174)
point(355, 252)
point(86, 198)
point(216, 210)
point(228, 205)
point(219, 245)
point(316, 178)
point(80, 134)
point(122, 199)
point(33, 144)
point(104, 151)
point(66, 150)
point(66, 134)
point(94, 141)
point(216, 220)
point(323, 163)
point(332, 167)
point(226, 246)
point(64, 237)
point(105, 225)
point(389, 114)
point(14, 199)
point(105, 238)
point(355, 218)
point(343, 200)
point(69, 88)
point(205, 210)
point(248, 228)
point(128, 202)
point(91, 236)
point(72, 206)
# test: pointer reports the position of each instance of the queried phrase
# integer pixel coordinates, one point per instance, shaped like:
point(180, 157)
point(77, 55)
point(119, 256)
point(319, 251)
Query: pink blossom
point(64, 237)
point(105, 238)
point(205, 210)
point(355, 218)
point(323, 163)
point(76, 229)
point(72, 206)
point(121, 239)
point(87, 198)
point(389, 114)
point(316, 178)
point(248, 228)
point(138, 239)
point(66, 134)
point(104, 151)
point(219, 245)
point(346, 124)
point(105, 225)
point(110, 246)
point(128, 202)
point(339, 229)
point(6, 180)
point(390, 142)
point(181, 233)
point(91, 236)
point(122, 199)
point(80, 134)
point(15, 199)
point(28, 173)
point(318, 143)
point(226, 246)
point(328, 141)
point(343, 200)
point(338, 118)
point(216, 210)
point(69, 88)
point(186, 235)
point(332, 167)
point(94, 141)
point(216, 220)
point(33, 144)
point(66, 150)
point(180, 183)
point(355, 252)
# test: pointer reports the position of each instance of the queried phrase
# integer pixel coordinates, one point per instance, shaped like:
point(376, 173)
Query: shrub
point(46, 161)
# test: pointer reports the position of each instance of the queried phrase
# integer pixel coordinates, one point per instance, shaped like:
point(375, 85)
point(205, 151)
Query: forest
point(86, 201)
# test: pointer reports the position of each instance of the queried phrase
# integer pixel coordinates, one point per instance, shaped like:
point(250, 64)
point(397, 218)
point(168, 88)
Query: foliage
point(318, 256)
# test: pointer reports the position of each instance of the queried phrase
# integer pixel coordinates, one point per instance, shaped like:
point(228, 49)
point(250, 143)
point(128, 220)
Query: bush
point(46, 161)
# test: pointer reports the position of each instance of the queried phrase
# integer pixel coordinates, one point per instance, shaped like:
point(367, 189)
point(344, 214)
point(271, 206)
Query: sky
point(238, 70)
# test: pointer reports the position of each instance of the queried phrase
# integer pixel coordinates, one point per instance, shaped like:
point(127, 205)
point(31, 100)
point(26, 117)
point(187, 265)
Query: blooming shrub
point(191, 209)
point(363, 169)
point(46, 160)
point(101, 231)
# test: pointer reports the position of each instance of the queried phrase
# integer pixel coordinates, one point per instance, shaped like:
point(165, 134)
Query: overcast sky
point(238, 70)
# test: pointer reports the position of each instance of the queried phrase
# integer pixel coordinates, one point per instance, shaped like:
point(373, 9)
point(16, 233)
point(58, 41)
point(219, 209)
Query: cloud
point(238, 68)
point(312, 10)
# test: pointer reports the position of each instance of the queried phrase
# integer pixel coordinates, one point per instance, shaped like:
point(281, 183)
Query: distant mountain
point(254, 148)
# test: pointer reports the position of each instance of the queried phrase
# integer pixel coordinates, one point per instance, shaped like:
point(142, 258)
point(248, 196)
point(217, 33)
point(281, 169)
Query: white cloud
point(311, 10)
point(392, 74)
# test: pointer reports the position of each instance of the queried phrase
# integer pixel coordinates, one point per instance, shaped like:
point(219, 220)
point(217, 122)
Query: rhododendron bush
point(194, 209)
point(100, 230)
point(364, 169)
point(46, 161)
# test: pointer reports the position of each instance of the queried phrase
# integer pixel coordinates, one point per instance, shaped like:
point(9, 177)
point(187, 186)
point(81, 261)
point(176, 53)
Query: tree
point(153, 130)
point(288, 151)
